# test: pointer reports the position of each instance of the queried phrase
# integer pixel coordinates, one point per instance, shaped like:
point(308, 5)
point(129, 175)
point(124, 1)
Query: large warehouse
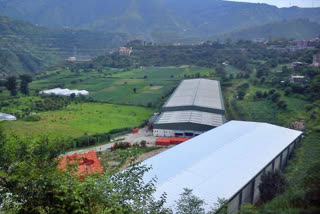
point(194, 107)
point(225, 162)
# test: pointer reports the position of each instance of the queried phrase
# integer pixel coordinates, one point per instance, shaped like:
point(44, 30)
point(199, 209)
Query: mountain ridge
point(192, 18)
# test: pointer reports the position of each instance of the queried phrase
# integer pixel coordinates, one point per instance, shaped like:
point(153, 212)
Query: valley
point(237, 85)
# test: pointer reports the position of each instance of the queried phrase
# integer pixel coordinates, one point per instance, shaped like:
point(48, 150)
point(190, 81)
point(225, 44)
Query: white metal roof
point(219, 162)
point(197, 92)
point(190, 116)
point(8, 117)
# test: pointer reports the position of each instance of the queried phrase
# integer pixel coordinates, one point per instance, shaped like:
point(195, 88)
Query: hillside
point(153, 19)
point(26, 48)
point(293, 29)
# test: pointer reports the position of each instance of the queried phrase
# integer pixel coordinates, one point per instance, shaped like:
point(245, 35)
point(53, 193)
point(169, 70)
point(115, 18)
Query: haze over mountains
point(154, 19)
point(26, 48)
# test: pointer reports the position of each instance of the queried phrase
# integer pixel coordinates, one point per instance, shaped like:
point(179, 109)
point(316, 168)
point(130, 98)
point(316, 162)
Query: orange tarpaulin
point(136, 130)
point(163, 141)
point(88, 163)
point(178, 140)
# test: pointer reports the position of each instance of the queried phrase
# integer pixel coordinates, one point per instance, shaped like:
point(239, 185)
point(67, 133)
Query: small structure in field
point(65, 92)
point(297, 79)
point(88, 163)
point(296, 64)
point(71, 59)
point(7, 117)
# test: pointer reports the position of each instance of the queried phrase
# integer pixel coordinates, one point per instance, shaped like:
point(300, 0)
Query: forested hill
point(153, 19)
point(26, 48)
point(292, 29)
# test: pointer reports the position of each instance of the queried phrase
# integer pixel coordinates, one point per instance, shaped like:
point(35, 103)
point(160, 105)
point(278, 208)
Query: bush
point(33, 117)
point(121, 145)
point(282, 104)
point(259, 94)
point(272, 184)
point(86, 140)
point(272, 91)
point(275, 97)
point(143, 143)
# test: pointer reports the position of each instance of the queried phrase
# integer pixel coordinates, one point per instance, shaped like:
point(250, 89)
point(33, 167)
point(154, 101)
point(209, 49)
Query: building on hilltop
point(225, 162)
point(316, 60)
point(124, 51)
point(194, 107)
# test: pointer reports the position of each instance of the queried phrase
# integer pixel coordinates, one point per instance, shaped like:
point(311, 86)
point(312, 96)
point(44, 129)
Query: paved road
point(144, 134)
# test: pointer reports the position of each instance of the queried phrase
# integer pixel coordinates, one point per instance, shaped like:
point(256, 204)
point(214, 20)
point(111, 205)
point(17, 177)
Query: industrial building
point(194, 107)
point(225, 162)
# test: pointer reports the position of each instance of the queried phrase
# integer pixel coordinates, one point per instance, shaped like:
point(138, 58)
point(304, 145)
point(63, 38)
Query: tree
point(282, 104)
point(241, 94)
point(221, 72)
point(72, 96)
point(11, 85)
point(30, 182)
point(220, 207)
point(275, 97)
point(272, 184)
point(189, 203)
point(259, 94)
point(134, 90)
point(24, 84)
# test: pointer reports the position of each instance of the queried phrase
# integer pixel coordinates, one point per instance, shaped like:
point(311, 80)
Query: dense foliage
point(30, 182)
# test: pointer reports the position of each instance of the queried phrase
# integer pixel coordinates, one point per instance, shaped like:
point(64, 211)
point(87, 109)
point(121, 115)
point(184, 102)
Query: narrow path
point(144, 134)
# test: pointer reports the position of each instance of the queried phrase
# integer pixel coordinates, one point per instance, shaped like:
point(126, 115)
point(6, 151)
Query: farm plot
point(79, 119)
point(143, 87)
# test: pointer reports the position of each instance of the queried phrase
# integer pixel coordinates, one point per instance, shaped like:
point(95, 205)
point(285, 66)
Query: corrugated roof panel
point(197, 92)
point(189, 116)
point(220, 162)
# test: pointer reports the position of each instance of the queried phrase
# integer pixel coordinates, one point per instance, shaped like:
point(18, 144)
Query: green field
point(78, 119)
point(152, 84)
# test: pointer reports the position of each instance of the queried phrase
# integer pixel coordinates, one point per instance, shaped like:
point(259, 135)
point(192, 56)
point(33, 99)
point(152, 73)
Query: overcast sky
point(286, 3)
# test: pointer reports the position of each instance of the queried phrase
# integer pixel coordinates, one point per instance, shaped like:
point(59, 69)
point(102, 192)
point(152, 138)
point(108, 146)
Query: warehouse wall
point(233, 205)
point(250, 193)
point(163, 133)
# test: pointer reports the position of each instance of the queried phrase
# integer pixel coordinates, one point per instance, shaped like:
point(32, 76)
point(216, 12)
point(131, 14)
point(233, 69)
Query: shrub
point(121, 145)
point(272, 184)
point(259, 94)
point(275, 97)
point(282, 104)
point(33, 117)
point(143, 143)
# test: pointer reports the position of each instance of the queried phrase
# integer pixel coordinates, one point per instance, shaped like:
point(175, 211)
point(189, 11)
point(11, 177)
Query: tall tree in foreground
point(31, 183)
point(189, 203)
point(24, 84)
point(11, 85)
